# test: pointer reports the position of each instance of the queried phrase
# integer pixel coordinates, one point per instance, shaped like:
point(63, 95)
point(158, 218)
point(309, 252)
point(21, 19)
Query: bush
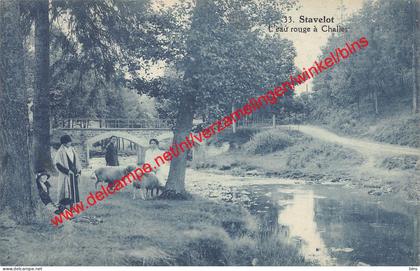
point(209, 246)
point(403, 131)
point(319, 155)
point(241, 136)
point(269, 141)
point(400, 162)
point(265, 252)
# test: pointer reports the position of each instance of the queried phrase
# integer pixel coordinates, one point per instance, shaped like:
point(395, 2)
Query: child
point(43, 186)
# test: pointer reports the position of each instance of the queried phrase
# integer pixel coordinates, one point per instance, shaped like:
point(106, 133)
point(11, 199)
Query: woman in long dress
point(150, 155)
point(111, 155)
point(69, 168)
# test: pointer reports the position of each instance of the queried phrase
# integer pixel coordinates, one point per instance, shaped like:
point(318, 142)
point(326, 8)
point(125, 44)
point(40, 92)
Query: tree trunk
point(16, 179)
point(375, 101)
point(175, 187)
point(234, 123)
point(416, 61)
point(41, 137)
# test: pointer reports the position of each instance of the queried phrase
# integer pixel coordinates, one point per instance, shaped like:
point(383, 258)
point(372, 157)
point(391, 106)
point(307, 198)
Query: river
point(331, 224)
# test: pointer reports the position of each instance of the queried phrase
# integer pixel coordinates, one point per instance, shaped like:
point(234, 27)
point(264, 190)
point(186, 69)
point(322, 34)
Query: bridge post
point(87, 154)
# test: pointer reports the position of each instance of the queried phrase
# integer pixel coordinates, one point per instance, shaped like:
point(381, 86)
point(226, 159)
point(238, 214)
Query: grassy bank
point(138, 232)
point(400, 128)
point(291, 154)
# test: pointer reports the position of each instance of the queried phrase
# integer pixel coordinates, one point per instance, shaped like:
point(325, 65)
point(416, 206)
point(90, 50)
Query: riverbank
point(302, 157)
point(152, 232)
point(400, 129)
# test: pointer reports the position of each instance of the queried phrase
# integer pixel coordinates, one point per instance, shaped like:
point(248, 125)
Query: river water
point(330, 224)
point(335, 226)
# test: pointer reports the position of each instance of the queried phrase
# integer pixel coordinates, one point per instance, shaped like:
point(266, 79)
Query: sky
point(308, 45)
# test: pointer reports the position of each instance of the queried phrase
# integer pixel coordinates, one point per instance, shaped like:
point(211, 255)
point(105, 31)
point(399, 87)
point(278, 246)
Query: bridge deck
point(112, 124)
point(140, 124)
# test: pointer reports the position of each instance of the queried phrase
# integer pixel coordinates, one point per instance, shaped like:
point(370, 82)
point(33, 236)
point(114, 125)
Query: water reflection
point(377, 236)
point(299, 218)
point(335, 227)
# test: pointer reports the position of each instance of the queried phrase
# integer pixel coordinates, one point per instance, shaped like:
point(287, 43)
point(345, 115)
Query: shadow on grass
point(137, 232)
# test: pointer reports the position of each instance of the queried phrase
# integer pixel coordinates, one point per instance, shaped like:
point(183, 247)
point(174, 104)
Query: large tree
point(416, 57)
point(85, 43)
point(222, 57)
point(41, 134)
point(15, 171)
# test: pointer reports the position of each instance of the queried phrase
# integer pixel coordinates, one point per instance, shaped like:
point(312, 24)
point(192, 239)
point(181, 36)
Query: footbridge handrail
point(112, 123)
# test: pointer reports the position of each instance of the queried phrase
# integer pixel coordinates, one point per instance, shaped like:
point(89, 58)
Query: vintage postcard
point(247, 133)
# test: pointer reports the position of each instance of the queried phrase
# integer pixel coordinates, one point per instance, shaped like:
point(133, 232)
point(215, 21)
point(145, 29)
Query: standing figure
point(152, 152)
point(111, 155)
point(68, 165)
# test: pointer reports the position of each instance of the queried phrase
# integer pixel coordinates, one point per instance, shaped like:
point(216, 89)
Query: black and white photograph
point(246, 133)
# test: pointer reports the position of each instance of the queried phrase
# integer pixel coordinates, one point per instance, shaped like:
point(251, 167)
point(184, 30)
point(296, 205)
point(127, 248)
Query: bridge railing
point(256, 123)
point(84, 123)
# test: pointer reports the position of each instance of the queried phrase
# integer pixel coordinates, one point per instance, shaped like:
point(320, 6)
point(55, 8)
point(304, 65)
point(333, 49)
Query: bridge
point(85, 132)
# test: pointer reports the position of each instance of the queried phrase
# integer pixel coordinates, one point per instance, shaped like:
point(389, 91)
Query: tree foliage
point(378, 80)
point(219, 57)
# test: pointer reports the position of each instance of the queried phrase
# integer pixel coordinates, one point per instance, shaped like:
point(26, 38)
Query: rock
point(375, 193)
point(252, 172)
point(245, 198)
point(213, 195)
point(387, 189)
point(345, 249)
point(225, 167)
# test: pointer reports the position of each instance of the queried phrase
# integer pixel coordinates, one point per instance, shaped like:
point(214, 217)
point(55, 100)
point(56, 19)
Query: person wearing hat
point(69, 168)
point(111, 155)
point(44, 186)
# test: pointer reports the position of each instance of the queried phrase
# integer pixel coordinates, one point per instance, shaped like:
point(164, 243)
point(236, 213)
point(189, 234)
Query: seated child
point(43, 186)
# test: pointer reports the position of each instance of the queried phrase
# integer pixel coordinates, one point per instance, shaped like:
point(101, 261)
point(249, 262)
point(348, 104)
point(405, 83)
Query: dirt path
point(365, 147)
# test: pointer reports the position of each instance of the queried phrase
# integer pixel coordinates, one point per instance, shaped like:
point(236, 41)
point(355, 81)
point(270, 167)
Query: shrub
point(209, 246)
point(400, 162)
point(402, 131)
point(241, 136)
point(269, 141)
point(265, 252)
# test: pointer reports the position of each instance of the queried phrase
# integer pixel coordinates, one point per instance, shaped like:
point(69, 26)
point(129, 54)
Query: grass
point(138, 232)
point(305, 158)
point(404, 130)
point(401, 129)
point(234, 139)
point(404, 162)
point(269, 141)
point(299, 154)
